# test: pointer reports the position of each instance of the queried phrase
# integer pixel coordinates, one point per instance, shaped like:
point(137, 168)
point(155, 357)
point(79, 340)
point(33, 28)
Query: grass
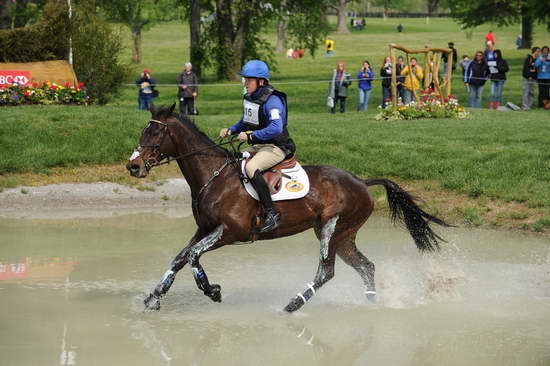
point(495, 163)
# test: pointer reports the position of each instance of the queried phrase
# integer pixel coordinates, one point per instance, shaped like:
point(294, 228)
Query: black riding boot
point(270, 218)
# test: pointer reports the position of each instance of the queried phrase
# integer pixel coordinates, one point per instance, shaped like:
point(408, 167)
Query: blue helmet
point(255, 69)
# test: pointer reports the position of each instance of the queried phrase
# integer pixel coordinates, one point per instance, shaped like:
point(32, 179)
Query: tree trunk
point(526, 28)
point(195, 49)
point(281, 37)
point(342, 26)
point(432, 7)
point(136, 50)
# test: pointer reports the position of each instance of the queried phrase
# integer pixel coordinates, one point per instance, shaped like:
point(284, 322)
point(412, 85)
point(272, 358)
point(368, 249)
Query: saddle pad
point(297, 186)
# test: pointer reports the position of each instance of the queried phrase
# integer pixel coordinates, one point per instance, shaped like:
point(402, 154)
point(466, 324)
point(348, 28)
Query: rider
point(265, 122)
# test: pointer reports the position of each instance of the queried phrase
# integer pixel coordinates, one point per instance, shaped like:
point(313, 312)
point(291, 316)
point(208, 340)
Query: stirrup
point(270, 221)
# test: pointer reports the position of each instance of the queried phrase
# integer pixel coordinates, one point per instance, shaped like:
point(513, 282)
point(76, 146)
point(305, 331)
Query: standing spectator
point(497, 73)
point(464, 64)
point(445, 58)
point(490, 37)
point(187, 89)
point(489, 49)
point(519, 42)
point(329, 46)
point(338, 87)
point(529, 78)
point(400, 28)
point(385, 74)
point(400, 79)
point(146, 85)
point(365, 77)
point(413, 78)
point(475, 78)
point(543, 76)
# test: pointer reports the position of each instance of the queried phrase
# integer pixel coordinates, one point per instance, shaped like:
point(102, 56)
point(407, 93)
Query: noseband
point(152, 161)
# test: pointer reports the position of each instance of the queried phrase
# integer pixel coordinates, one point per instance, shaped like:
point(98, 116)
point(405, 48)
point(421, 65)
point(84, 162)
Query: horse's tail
point(404, 209)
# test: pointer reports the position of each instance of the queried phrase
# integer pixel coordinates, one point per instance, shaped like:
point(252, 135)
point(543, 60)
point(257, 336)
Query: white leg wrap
point(310, 285)
point(370, 292)
point(302, 296)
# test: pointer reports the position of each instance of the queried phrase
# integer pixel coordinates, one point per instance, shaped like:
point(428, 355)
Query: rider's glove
point(225, 132)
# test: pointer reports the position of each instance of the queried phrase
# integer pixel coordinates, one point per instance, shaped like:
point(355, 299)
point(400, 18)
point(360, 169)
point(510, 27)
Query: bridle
point(152, 161)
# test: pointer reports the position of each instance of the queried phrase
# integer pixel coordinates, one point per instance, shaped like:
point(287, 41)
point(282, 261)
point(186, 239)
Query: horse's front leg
point(213, 291)
point(152, 302)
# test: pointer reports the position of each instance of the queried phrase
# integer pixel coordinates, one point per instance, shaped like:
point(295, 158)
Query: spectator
point(338, 87)
point(475, 78)
point(400, 79)
point(464, 64)
point(329, 46)
point(497, 74)
point(146, 85)
point(289, 52)
point(445, 58)
point(529, 78)
point(363, 23)
point(187, 89)
point(490, 37)
point(519, 42)
point(543, 76)
point(489, 49)
point(400, 28)
point(413, 78)
point(385, 74)
point(365, 77)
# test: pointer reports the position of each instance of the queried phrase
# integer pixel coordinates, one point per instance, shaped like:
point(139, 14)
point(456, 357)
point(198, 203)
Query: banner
point(11, 77)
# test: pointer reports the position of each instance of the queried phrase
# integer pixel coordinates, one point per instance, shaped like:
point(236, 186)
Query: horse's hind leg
point(325, 271)
point(347, 250)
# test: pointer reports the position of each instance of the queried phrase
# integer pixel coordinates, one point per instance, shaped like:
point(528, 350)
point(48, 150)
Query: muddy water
point(71, 293)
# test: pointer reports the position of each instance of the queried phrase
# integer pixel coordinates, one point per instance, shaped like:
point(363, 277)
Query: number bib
point(251, 113)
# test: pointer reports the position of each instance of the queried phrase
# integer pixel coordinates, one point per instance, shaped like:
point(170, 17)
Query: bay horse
point(336, 207)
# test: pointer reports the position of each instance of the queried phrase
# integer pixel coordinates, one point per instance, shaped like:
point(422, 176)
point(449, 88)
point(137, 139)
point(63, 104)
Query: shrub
point(96, 47)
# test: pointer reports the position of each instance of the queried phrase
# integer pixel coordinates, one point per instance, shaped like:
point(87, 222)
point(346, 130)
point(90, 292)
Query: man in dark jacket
point(445, 58)
point(529, 78)
point(187, 89)
point(475, 78)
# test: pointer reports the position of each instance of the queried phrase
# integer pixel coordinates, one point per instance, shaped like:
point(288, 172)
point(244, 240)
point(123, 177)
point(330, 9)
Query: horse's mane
point(167, 112)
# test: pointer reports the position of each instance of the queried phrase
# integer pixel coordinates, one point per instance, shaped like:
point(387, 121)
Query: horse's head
point(155, 144)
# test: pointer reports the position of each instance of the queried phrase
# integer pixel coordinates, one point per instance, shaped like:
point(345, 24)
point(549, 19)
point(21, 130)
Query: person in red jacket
point(490, 37)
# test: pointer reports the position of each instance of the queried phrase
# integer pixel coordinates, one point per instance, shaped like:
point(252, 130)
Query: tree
point(232, 31)
point(432, 6)
point(341, 11)
point(471, 13)
point(138, 15)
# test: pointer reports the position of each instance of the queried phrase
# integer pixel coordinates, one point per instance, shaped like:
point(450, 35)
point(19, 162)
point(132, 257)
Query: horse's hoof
point(371, 297)
point(152, 302)
point(215, 293)
point(294, 305)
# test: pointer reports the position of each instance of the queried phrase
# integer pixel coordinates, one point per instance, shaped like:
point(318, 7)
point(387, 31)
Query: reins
point(170, 159)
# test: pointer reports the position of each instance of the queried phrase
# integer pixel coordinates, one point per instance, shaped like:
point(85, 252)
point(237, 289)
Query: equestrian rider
point(264, 126)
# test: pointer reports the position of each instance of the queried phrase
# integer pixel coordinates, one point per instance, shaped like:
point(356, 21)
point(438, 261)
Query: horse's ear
point(172, 107)
point(152, 109)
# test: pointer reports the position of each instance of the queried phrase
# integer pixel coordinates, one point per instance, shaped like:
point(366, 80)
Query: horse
point(336, 207)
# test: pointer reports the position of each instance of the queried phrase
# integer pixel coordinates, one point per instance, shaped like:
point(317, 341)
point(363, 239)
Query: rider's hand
point(224, 132)
point(243, 136)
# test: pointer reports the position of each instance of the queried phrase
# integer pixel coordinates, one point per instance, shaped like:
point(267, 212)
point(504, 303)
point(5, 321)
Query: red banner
point(11, 77)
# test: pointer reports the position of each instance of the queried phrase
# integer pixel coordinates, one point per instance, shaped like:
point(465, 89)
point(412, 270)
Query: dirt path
point(70, 200)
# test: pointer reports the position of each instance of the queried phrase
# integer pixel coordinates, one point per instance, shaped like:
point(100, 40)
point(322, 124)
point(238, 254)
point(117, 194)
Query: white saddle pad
point(297, 186)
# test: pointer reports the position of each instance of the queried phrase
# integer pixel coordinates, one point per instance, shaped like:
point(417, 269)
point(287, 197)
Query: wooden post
point(393, 77)
point(427, 60)
point(449, 74)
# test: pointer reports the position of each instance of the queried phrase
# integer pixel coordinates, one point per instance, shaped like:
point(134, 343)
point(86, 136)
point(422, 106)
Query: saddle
point(286, 180)
point(274, 176)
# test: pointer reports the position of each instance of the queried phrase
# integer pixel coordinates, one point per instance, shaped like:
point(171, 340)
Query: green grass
point(501, 155)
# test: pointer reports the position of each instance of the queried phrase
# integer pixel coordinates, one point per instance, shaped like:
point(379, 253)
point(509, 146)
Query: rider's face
point(251, 85)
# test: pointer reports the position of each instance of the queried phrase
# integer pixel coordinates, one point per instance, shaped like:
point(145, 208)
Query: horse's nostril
point(133, 168)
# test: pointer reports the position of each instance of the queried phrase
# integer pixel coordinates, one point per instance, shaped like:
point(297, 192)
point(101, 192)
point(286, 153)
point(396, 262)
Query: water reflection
point(36, 268)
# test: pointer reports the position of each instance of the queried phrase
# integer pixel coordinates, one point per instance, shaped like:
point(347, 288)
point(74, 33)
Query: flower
point(80, 84)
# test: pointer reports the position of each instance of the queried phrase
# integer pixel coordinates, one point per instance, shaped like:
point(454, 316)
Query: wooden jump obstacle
point(432, 61)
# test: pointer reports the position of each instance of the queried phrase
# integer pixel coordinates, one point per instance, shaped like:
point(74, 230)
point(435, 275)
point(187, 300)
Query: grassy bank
point(493, 168)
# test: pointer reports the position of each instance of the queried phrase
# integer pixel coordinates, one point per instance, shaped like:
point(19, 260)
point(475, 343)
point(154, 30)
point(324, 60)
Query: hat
point(341, 62)
point(450, 44)
point(147, 71)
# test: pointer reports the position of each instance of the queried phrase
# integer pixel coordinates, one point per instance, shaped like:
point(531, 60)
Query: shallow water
point(72, 291)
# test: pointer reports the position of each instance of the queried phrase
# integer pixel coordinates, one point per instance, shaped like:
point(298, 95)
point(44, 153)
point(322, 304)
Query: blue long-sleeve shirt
point(274, 112)
point(543, 68)
point(365, 78)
